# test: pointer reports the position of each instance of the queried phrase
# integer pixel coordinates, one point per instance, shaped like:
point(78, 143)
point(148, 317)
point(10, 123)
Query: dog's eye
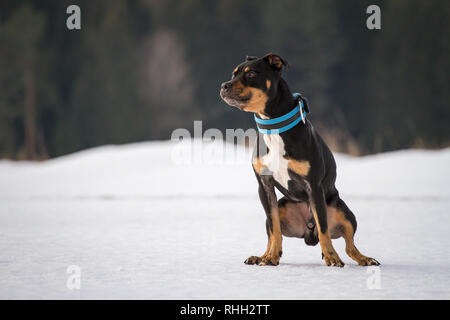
point(250, 74)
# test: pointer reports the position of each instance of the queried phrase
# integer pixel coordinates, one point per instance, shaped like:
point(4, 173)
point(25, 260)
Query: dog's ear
point(250, 58)
point(276, 61)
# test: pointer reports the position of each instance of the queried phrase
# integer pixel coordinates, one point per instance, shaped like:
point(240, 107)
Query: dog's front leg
point(274, 245)
point(318, 206)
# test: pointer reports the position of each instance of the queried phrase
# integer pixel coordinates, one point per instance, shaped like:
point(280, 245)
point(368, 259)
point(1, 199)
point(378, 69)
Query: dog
point(292, 157)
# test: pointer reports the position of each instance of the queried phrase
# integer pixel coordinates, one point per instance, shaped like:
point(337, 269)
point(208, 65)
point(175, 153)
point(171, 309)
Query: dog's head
point(253, 83)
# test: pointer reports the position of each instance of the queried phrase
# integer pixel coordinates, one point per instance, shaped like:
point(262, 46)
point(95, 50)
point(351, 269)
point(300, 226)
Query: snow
point(145, 221)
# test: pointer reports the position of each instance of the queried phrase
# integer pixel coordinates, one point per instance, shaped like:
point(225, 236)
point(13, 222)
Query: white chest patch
point(274, 159)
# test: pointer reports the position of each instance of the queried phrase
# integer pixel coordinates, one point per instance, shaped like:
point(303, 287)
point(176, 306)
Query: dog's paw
point(263, 261)
point(332, 259)
point(253, 260)
point(367, 261)
point(269, 261)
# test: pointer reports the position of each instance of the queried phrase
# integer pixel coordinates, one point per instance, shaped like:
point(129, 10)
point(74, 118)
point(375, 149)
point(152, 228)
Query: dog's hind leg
point(342, 222)
point(319, 209)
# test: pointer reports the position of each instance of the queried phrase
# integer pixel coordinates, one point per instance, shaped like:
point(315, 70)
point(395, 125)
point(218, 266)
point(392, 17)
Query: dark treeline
point(139, 69)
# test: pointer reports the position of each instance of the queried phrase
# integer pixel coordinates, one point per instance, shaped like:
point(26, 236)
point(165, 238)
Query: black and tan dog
point(296, 161)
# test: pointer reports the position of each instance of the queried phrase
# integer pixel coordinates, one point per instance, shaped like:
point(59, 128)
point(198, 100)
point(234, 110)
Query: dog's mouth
point(234, 99)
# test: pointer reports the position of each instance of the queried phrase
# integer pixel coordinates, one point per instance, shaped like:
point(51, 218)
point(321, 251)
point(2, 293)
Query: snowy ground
point(141, 225)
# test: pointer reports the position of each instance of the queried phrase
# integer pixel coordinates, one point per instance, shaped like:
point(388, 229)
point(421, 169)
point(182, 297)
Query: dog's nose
point(226, 85)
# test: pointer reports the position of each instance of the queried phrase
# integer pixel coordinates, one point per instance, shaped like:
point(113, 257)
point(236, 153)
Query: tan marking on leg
point(329, 253)
point(257, 260)
point(274, 244)
point(336, 229)
point(336, 218)
point(268, 83)
point(299, 167)
point(269, 244)
point(274, 252)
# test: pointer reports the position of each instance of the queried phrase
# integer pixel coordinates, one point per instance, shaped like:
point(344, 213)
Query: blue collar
point(285, 122)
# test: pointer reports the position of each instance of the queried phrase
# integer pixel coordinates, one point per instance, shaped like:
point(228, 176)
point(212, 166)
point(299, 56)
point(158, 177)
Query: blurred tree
point(139, 69)
point(308, 34)
point(408, 83)
point(349, 76)
point(167, 86)
point(102, 106)
point(22, 33)
point(216, 35)
point(98, 77)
